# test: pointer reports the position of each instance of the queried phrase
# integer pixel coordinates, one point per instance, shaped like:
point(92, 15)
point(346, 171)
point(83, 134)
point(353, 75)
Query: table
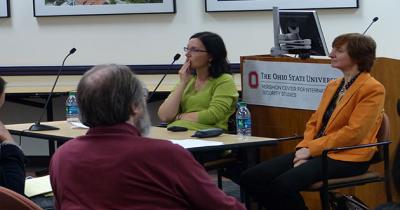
point(66, 83)
point(66, 133)
point(21, 88)
point(250, 145)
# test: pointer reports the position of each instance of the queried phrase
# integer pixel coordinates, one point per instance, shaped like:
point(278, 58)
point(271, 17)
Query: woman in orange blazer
point(350, 113)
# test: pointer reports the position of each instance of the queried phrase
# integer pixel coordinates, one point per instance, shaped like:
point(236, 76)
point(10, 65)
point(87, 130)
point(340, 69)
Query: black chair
point(382, 155)
point(233, 159)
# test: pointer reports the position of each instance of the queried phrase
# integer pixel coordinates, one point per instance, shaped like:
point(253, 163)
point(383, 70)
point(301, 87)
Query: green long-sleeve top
point(215, 103)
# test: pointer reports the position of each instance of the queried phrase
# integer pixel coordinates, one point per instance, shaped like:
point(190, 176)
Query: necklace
point(346, 86)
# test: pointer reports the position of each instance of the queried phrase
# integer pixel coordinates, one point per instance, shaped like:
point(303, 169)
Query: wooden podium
point(281, 122)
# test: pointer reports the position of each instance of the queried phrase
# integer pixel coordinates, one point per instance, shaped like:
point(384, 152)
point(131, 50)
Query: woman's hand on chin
point(184, 72)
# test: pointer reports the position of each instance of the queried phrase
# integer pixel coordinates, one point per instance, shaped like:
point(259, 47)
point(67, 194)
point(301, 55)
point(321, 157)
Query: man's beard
point(143, 123)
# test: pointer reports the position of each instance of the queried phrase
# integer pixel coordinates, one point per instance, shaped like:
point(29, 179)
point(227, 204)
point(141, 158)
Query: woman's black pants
point(276, 184)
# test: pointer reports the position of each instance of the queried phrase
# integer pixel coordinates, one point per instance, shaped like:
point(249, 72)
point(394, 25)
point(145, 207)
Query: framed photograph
point(4, 8)
point(256, 5)
point(100, 7)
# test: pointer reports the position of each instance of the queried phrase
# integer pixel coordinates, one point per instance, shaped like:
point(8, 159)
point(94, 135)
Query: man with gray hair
point(114, 167)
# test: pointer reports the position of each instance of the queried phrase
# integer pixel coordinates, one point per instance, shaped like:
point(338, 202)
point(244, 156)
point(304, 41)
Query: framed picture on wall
point(4, 8)
point(256, 5)
point(100, 7)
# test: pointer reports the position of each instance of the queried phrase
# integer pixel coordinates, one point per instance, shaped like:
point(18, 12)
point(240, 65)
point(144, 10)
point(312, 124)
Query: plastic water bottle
point(71, 108)
point(243, 120)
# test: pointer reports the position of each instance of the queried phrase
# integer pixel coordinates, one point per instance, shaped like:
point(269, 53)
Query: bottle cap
point(242, 103)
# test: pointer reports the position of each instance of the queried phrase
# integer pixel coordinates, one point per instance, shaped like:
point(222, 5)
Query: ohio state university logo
point(253, 79)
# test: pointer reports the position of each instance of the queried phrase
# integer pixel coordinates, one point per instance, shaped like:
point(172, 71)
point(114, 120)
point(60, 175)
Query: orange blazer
point(355, 120)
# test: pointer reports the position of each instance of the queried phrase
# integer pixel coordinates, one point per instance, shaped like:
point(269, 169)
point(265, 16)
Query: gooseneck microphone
point(373, 21)
point(176, 57)
point(40, 127)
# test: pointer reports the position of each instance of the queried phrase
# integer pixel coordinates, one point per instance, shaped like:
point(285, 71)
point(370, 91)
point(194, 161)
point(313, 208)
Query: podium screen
point(307, 24)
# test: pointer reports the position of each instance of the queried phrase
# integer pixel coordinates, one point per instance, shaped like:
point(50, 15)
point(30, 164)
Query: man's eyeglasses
point(190, 50)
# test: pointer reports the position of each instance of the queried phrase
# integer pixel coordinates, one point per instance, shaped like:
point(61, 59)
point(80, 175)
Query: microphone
point(40, 127)
point(373, 21)
point(176, 57)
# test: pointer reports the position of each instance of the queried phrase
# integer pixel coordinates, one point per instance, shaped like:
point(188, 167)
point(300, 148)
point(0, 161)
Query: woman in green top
point(204, 98)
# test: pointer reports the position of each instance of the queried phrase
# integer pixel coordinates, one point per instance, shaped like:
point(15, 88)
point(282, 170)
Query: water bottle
point(71, 108)
point(243, 120)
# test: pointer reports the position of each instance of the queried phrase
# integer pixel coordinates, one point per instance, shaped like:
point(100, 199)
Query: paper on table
point(78, 125)
point(37, 186)
point(190, 143)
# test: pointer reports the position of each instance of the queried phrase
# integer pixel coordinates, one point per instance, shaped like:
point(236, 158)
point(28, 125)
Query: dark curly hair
point(216, 49)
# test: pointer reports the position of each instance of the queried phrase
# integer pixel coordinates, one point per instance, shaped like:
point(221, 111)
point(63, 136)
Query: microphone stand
point(373, 21)
point(176, 57)
point(40, 127)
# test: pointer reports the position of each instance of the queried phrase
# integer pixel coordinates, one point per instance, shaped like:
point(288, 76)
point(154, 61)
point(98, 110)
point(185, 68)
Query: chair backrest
point(232, 124)
point(11, 200)
point(384, 131)
point(398, 106)
point(382, 135)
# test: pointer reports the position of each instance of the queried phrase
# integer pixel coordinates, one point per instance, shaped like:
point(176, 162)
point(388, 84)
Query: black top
point(12, 170)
